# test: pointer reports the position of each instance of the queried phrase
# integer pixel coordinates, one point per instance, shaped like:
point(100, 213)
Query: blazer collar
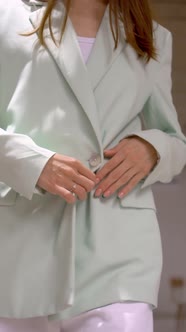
point(82, 78)
point(103, 54)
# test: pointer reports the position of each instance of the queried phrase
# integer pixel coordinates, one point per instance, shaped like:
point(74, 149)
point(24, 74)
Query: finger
point(111, 151)
point(73, 187)
point(116, 148)
point(120, 173)
point(109, 166)
point(69, 175)
point(65, 194)
point(86, 172)
point(84, 182)
point(131, 185)
point(124, 180)
point(67, 165)
point(109, 154)
point(79, 191)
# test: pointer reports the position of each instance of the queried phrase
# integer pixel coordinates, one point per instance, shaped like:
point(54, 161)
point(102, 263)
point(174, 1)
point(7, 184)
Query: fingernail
point(98, 193)
point(107, 193)
point(121, 195)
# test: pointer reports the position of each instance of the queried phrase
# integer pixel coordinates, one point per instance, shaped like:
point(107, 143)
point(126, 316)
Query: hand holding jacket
point(131, 161)
point(65, 176)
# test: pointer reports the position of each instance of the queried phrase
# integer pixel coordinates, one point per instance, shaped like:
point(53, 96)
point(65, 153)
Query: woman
point(79, 238)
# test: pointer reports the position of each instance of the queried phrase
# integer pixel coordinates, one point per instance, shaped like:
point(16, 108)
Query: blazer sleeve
point(162, 128)
point(21, 162)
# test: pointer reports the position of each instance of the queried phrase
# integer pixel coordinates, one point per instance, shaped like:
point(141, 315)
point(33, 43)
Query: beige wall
point(172, 14)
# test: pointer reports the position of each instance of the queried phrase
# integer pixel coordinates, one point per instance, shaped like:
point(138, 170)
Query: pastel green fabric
point(58, 259)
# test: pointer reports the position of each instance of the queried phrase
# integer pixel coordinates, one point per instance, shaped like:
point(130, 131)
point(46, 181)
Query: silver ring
point(73, 188)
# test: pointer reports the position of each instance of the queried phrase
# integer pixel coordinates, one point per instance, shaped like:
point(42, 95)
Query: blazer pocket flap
point(7, 195)
point(139, 198)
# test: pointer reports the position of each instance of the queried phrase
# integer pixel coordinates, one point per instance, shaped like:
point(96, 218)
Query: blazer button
point(95, 160)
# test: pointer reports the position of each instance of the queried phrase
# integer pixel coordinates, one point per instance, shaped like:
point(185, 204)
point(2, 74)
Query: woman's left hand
point(130, 161)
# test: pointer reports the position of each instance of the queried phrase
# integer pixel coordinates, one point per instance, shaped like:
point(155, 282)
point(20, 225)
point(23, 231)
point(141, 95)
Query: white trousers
point(119, 317)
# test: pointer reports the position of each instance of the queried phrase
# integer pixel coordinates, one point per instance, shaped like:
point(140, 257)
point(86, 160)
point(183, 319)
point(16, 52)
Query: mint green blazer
point(58, 259)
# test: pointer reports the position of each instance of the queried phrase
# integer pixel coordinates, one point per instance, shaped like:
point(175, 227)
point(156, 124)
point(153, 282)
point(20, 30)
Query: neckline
point(86, 39)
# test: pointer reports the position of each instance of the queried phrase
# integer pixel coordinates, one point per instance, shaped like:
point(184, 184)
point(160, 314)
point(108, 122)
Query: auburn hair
point(135, 15)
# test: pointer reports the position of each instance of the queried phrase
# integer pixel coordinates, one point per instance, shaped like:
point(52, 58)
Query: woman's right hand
point(66, 177)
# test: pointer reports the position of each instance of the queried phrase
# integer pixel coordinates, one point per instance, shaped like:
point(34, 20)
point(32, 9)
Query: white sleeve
point(21, 162)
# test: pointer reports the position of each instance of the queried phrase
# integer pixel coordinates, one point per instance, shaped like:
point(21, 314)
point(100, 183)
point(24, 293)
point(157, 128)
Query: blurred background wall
point(172, 14)
point(171, 198)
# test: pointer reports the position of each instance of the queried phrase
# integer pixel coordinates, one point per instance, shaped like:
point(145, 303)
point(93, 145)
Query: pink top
point(86, 45)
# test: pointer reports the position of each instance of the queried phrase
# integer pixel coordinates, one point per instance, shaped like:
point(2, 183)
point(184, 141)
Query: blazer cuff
point(157, 139)
point(35, 168)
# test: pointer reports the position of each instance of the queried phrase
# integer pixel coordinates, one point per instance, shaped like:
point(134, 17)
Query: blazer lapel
point(81, 78)
point(68, 58)
point(103, 54)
